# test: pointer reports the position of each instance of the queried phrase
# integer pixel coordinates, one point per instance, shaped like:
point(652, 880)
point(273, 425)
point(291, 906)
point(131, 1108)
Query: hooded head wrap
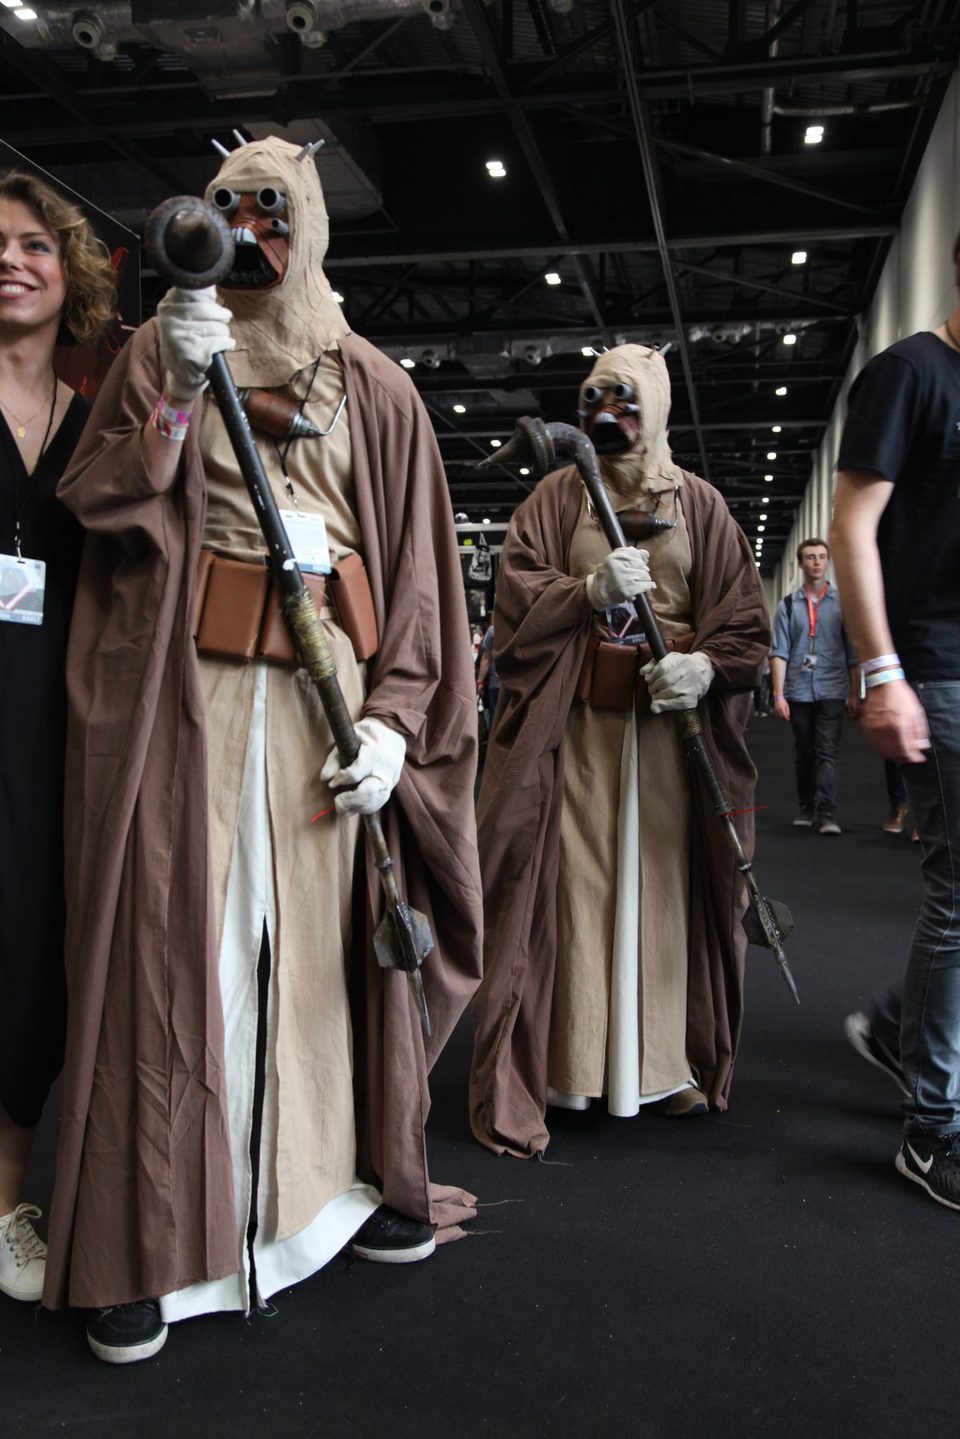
point(281, 330)
point(648, 464)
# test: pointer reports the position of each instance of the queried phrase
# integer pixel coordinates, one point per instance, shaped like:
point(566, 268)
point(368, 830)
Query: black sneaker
point(388, 1238)
point(804, 819)
point(934, 1164)
point(859, 1033)
point(127, 1332)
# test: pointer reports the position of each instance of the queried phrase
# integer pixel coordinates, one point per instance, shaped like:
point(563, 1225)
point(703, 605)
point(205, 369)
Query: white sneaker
point(23, 1254)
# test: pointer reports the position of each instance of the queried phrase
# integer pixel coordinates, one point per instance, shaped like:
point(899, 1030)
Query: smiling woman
point(56, 286)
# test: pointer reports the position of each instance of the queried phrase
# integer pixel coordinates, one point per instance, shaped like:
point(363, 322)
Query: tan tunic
point(312, 862)
point(624, 861)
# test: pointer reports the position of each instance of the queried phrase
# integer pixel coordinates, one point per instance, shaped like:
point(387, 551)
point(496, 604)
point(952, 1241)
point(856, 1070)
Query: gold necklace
point(22, 424)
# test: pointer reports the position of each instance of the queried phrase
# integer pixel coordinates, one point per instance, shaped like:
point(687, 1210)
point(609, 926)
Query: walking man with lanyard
point(815, 678)
point(897, 538)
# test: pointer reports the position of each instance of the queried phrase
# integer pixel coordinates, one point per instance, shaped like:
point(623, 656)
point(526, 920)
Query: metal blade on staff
point(190, 244)
point(767, 921)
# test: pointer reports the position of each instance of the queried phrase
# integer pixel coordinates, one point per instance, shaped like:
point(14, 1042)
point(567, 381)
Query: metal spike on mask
point(220, 149)
point(308, 151)
point(239, 138)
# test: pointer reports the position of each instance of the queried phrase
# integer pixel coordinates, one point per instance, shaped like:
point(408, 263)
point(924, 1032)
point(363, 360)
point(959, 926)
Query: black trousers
point(817, 726)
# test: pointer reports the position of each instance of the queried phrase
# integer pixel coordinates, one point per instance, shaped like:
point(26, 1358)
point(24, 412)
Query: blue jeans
point(920, 1019)
point(817, 727)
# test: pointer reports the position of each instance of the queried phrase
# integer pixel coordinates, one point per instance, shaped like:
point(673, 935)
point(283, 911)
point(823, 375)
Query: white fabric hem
point(279, 1263)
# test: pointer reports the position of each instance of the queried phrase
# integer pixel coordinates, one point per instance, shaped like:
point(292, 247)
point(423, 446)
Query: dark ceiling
point(655, 160)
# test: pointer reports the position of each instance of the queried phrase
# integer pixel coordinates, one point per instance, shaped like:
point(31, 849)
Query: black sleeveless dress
point(32, 737)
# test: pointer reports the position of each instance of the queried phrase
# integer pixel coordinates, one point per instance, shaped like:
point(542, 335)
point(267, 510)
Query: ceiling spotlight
point(495, 444)
point(485, 520)
point(768, 478)
point(760, 529)
point(407, 363)
point(813, 135)
point(789, 339)
point(771, 454)
point(524, 470)
point(25, 14)
point(337, 296)
point(775, 429)
point(799, 257)
point(12, 4)
point(780, 390)
point(763, 516)
point(552, 278)
point(495, 169)
point(758, 564)
point(459, 409)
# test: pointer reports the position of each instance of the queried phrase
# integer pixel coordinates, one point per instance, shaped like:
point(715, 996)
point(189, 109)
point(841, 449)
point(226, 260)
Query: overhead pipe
point(767, 99)
point(649, 164)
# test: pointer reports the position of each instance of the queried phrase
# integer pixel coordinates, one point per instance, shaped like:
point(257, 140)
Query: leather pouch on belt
point(349, 589)
point(233, 605)
point(614, 677)
point(275, 642)
point(610, 675)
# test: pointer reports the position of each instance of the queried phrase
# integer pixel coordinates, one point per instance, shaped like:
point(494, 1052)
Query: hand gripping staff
point(767, 921)
point(190, 245)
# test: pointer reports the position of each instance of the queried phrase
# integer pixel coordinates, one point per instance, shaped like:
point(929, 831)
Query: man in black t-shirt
point(896, 545)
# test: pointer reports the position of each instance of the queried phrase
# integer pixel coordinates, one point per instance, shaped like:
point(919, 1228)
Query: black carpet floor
point(762, 1273)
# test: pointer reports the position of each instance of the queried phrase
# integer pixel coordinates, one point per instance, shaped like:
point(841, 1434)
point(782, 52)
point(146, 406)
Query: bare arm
point(778, 678)
point(160, 454)
point(893, 718)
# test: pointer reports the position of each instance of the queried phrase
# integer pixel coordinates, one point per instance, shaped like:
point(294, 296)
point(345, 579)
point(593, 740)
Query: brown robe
point(542, 624)
point(143, 1202)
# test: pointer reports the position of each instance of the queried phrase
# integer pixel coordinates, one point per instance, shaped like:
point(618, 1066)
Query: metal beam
point(301, 95)
point(561, 378)
point(786, 20)
point(648, 161)
point(789, 238)
point(583, 46)
point(483, 32)
point(808, 306)
point(758, 172)
point(50, 83)
point(680, 82)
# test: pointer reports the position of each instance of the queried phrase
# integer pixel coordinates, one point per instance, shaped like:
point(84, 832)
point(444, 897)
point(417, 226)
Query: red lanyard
point(813, 612)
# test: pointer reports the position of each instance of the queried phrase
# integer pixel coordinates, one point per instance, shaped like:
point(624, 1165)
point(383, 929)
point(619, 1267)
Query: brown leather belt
point(238, 612)
point(610, 674)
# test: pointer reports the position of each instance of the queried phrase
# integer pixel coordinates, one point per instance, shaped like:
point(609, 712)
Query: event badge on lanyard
point(308, 538)
point(813, 615)
point(22, 584)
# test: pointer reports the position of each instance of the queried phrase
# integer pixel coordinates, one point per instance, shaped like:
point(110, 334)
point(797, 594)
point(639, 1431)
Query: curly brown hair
point(91, 284)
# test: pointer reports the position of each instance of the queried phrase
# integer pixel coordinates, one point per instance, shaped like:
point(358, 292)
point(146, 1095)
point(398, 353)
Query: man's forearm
point(860, 501)
point(778, 675)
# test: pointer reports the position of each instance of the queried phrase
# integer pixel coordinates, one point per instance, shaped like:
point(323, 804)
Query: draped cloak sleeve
point(542, 623)
point(143, 1200)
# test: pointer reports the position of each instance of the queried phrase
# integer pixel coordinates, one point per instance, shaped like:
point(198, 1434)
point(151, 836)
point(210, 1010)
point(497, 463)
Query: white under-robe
point(618, 1022)
point(251, 905)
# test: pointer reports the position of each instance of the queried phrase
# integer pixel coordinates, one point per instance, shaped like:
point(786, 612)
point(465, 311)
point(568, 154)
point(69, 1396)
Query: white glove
point(677, 681)
point(375, 770)
point(623, 574)
point(193, 328)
